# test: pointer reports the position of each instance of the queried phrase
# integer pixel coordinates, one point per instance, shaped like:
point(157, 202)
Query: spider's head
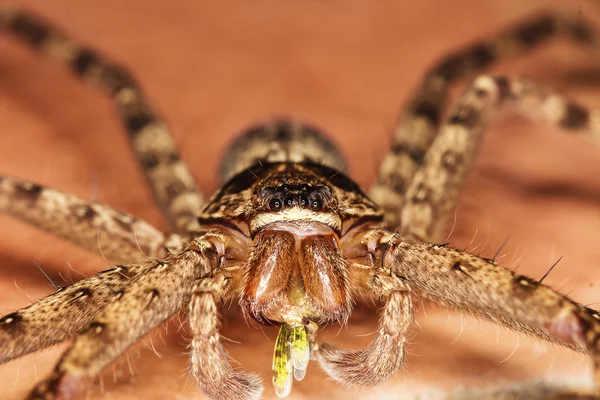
point(295, 201)
point(296, 272)
point(293, 215)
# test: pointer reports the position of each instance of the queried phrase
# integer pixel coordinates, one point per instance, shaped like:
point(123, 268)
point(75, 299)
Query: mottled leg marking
point(61, 315)
point(482, 288)
point(421, 119)
point(172, 184)
point(209, 364)
point(93, 226)
point(433, 192)
point(164, 287)
point(385, 356)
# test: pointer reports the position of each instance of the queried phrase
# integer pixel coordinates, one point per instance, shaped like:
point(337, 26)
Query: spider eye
point(288, 201)
point(316, 204)
point(304, 201)
point(275, 204)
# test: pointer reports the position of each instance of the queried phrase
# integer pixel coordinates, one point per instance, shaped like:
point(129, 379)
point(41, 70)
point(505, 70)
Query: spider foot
point(215, 376)
point(366, 367)
point(210, 365)
point(235, 386)
point(375, 363)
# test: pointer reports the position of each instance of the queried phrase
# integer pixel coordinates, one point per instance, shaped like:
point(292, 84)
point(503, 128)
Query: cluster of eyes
point(276, 204)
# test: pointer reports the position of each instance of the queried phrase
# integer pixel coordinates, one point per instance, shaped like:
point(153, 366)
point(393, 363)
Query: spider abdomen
point(280, 140)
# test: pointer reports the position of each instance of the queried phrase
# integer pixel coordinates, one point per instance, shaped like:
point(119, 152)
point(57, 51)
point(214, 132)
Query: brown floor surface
point(214, 67)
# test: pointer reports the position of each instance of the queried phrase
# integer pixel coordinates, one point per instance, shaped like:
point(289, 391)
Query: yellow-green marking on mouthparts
point(290, 358)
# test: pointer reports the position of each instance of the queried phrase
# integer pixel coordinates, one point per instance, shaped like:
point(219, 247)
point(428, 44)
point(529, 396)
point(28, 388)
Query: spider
point(284, 197)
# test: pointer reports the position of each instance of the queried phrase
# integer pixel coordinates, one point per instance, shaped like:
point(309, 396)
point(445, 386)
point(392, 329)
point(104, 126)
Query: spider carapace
point(289, 235)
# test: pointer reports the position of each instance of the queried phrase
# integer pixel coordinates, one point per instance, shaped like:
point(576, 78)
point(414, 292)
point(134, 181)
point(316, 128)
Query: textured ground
point(347, 66)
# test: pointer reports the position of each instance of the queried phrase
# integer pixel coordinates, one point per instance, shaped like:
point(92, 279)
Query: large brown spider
point(296, 197)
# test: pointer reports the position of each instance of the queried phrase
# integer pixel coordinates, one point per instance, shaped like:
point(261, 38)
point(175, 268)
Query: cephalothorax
point(289, 235)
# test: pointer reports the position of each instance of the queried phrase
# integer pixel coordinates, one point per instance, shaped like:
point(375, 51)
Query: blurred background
point(213, 68)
